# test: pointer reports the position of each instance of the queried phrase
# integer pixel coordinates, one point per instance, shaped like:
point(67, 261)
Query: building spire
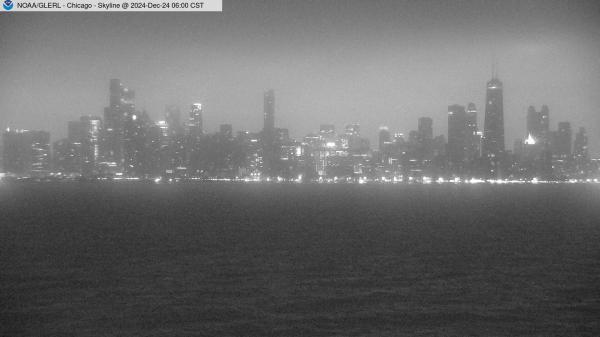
point(494, 66)
point(496, 69)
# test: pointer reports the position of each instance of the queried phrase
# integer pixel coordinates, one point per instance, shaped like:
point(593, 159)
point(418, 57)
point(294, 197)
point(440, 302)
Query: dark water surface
point(289, 260)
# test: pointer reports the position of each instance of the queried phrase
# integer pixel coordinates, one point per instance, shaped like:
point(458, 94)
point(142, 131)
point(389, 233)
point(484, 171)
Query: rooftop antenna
point(496, 69)
point(494, 65)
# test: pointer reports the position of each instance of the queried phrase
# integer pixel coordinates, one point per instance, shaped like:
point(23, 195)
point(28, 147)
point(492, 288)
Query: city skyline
point(386, 63)
point(128, 143)
point(300, 168)
point(477, 118)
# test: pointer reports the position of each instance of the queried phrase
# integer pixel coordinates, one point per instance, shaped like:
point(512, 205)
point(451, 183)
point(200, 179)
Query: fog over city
point(337, 62)
point(300, 168)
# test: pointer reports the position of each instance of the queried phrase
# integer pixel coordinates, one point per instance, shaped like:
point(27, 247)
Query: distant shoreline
point(183, 181)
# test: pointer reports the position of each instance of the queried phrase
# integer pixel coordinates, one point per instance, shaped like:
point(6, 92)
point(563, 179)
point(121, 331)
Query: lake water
point(94, 259)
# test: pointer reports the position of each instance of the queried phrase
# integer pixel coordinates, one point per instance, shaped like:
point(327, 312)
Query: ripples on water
point(290, 260)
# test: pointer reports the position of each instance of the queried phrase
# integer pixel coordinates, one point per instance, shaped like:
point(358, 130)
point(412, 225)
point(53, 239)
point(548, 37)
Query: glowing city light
point(530, 140)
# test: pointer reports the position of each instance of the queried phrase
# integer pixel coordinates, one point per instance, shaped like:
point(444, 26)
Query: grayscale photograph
point(299, 168)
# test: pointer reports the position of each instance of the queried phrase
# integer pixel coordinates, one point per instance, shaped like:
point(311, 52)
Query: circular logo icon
point(8, 5)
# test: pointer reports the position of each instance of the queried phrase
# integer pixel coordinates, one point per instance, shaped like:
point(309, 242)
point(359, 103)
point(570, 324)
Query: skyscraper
point(580, 146)
point(269, 112)
point(195, 121)
point(425, 128)
point(72, 148)
point(538, 124)
point(545, 122)
point(424, 139)
point(282, 135)
point(26, 152)
point(65, 157)
point(473, 139)
point(75, 132)
point(173, 121)
point(532, 122)
point(120, 105)
point(385, 138)
point(385, 144)
point(40, 153)
point(457, 137)
point(177, 151)
point(134, 142)
point(270, 152)
point(563, 140)
point(156, 150)
point(352, 130)
point(91, 127)
point(493, 132)
point(14, 151)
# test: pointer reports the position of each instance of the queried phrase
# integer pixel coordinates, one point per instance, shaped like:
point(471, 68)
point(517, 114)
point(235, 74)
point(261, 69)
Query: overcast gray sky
point(371, 62)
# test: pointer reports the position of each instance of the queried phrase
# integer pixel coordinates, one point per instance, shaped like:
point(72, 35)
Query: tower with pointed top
point(493, 132)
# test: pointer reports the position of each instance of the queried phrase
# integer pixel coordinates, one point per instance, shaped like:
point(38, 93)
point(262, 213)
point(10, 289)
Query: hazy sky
point(371, 62)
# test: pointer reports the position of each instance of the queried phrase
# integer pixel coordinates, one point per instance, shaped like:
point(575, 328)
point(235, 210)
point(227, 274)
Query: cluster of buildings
point(126, 144)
